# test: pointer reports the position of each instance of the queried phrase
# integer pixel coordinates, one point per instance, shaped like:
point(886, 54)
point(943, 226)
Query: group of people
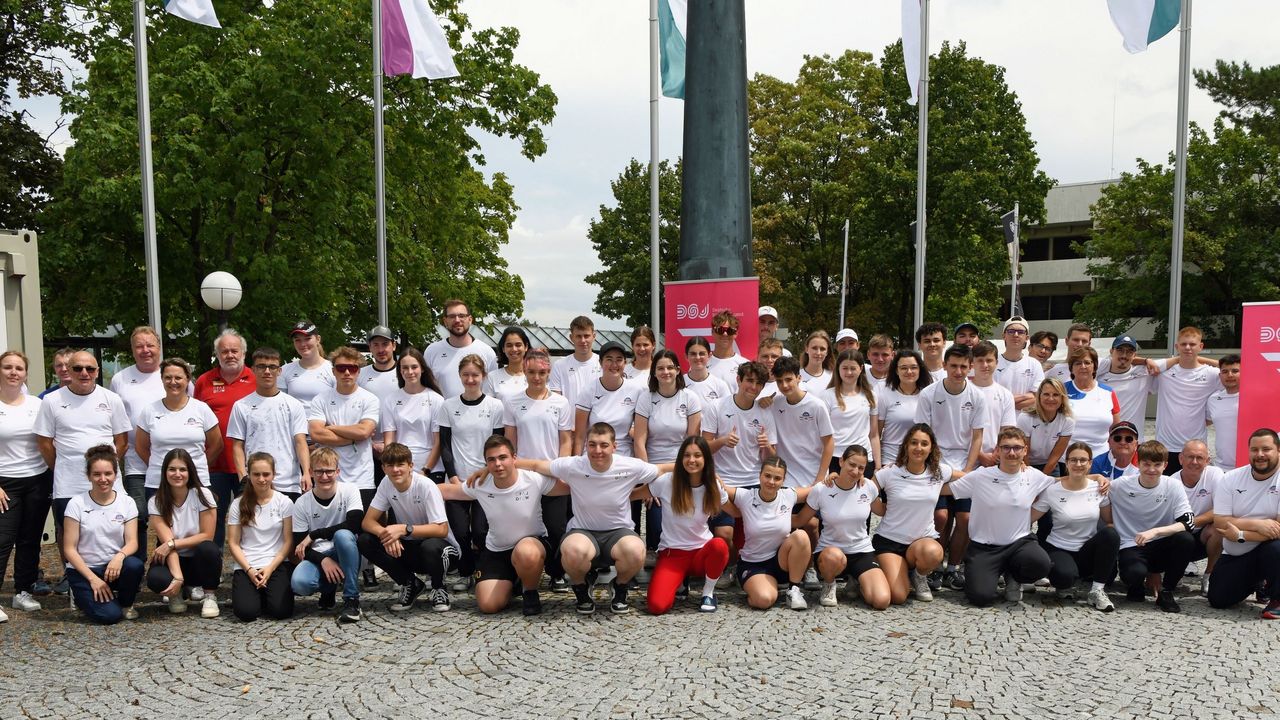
point(987, 466)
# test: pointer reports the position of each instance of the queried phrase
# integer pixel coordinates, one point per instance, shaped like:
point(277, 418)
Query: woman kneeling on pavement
point(183, 515)
point(774, 552)
point(99, 538)
point(1075, 545)
point(260, 536)
point(690, 496)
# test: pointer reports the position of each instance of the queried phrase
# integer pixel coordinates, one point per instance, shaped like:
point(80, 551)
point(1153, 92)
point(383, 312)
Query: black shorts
point(952, 504)
point(603, 540)
point(854, 563)
point(883, 545)
point(1201, 551)
point(765, 567)
point(497, 565)
point(721, 519)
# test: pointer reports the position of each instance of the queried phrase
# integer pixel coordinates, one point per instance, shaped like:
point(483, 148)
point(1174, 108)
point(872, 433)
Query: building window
point(1036, 249)
point(1063, 247)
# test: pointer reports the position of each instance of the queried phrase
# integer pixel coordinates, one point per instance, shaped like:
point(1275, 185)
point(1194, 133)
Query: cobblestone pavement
point(1036, 659)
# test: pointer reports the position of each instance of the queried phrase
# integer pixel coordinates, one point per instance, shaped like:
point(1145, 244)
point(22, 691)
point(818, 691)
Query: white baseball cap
point(768, 310)
point(846, 334)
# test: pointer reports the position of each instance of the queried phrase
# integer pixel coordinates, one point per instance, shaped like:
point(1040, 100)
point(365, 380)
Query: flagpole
point(844, 274)
point(379, 179)
point(150, 256)
point(922, 157)
point(655, 318)
point(1013, 258)
point(1179, 179)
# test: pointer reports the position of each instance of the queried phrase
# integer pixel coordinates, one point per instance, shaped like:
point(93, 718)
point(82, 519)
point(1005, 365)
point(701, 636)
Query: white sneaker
point(177, 605)
point(1204, 587)
point(795, 599)
point(130, 613)
point(811, 581)
point(24, 601)
point(209, 607)
point(197, 594)
point(828, 596)
point(920, 584)
point(1099, 600)
point(1012, 590)
point(3, 617)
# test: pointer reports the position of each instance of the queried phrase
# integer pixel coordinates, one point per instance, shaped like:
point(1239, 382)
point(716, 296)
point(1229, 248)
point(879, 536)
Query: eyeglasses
point(1080, 460)
point(345, 369)
point(1123, 438)
point(726, 330)
point(324, 472)
point(1046, 348)
point(267, 368)
point(1012, 448)
point(457, 316)
point(1015, 331)
point(84, 369)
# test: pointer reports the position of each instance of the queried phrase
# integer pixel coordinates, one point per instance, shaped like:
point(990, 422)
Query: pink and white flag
point(413, 41)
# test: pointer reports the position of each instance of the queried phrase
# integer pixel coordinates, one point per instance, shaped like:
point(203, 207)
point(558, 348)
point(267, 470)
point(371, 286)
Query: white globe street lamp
point(221, 291)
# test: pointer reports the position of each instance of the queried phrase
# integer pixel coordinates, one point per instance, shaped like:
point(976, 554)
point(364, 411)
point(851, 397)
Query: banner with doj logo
point(1259, 373)
point(692, 303)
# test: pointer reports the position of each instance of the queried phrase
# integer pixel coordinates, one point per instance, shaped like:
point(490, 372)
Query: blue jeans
point(308, 578)
point(125, 587)
point(135, 486)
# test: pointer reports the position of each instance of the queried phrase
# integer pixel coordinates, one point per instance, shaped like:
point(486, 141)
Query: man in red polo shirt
point(220, 388)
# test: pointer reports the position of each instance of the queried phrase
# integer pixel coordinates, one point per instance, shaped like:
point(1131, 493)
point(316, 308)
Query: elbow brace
point(1188, 521)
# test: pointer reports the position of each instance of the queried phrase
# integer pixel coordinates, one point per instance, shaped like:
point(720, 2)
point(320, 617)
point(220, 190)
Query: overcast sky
point(1091, 107)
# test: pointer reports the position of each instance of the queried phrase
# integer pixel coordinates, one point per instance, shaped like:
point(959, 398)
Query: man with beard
point(1246, 505)
point(443, 355)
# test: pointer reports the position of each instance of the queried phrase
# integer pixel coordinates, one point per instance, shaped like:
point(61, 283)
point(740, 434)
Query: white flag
point(197, 11)
point(911, 45)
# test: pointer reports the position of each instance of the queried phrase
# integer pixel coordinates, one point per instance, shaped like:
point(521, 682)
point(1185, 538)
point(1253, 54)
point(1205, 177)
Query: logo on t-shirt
point(806, 415)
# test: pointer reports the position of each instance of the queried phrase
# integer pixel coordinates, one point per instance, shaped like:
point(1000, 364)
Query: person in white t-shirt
point(643, 343)
point(312, 373)
point(896, 405)
point(571, 376)
point(99, 538)
point(1079, 336)
point(1076, 545)
point(879, 355)
point(1246, 512)
point(409, 415)
point(345, 418)
point(699, 379)
point(443, 355)
point(725, 359)
point(1222, 411)
point(1018, 372)
point(177, 421)
point(610, 398)
point(844, 548)
point(25, 484)
point(806, 438)
point(379, 376)
point(1048, 425)
point(1182, 395)
point(271, 421)
point(1131, 381)
point(509, 377)
point(1043, 344)
point(1200, 479)
point(138, 387)
point(182, 514)
point(774, 553)
point(1151, 513)
point(665, 415)
point(931, 338)
point(1093, 405)
point(768, 327)
point(847, 339)
point(851, 401)
point(260, 538)
point(817, 362)
point(326, 524)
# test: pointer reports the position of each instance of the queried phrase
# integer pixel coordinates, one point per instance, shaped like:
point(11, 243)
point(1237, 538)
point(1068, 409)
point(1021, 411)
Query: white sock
point(709, 587)
point(1099, 586)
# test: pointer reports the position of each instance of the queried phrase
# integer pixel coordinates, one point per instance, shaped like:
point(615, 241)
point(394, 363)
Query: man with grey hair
point(220, 388)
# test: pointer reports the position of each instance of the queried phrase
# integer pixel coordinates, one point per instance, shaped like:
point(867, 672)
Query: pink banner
point(1259, 373)
point(692, 303)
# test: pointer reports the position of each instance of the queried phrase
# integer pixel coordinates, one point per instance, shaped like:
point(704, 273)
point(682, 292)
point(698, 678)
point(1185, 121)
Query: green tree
point(620, 237)
point(263, 152)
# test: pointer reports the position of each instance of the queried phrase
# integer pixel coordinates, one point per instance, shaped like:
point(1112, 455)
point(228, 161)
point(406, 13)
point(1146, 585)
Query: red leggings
point(675, 565)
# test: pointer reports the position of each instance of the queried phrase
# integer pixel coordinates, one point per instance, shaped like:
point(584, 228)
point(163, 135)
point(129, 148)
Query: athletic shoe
point(130, 613)
point(585, 605)
point(1136, 594)
point(23, 601)
point(842, 582)
point(462, 584)
point(408, 594)
point(558, 584)
point(955, 578)
point(327, 601)
point(441, 601)
point(682, 592)
point(708, 604)
point(1165, 601)
point(197, 594)
point(811, 581)
point(1012, 589)
point(1204, 585)
point(177, 605)
point(1065, 593)
point(350, 611)
point(1042, 582)
point(935, 580)
point(828, 596)
point(63, 587)
point(209, 607)
point(920, 584)
point(725, 580)
point(530, 603)
point(795, 599)
point(619, 604)
point(1272, 611)
point(40, 587)
point(3, 617)
point(370, 579)
point(643, 576)
point(1099, 600)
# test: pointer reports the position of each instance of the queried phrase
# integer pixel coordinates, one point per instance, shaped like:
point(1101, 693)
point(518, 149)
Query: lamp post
point(220, 291)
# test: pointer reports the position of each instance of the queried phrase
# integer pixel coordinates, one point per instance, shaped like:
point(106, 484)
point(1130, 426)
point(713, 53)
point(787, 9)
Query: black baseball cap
point(303, 327)
point(611, 346)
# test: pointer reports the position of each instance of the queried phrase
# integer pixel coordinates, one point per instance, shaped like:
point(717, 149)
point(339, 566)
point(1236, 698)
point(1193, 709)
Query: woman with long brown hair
point(260, 536)
point(182, 514)
point(690, 496)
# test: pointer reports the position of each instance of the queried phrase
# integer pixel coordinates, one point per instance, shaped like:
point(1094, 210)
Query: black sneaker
point(350, 611)
point(327, 600)
point(370, 578)
point(585, 605)
point(408, 594)
point(619, 605)
point(682, 592)
point(530, 603)
point(40, 587)
point(935, 580)
point(1165, 601)
point(1136, 594)
point(558, 584)
point(62, 588)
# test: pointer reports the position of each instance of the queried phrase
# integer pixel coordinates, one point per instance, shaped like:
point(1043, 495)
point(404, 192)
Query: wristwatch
point(408, 530)
point(1239, 536)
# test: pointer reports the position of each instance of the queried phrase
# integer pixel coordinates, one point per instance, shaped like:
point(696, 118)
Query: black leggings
point(1096, 560)
point(1235, 577)
point(22, 526)
point(556, 512)
point(1169, 555)
point(202, 569)
point(470, 526)
point(430, 556)
point(275, 600)
point(652, 524)
point(1024, 559)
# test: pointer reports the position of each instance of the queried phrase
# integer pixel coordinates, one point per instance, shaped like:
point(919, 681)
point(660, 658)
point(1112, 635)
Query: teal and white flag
point(1143, 22)
point(671, 34)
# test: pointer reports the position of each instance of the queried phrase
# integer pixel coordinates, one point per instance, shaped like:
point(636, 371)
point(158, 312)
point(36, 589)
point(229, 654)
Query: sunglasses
point(345, 369)
point(84, 368)
point(1124, 438)
point(726, 330)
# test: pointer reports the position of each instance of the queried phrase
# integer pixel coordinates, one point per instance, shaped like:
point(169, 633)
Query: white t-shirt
point(305, 384)
point(420, 504)
point(310, 514)
point(616, 407)
point(1001, 502)
point(1044, 436)
point(953, 418)
point(538, 423)
point(270, 425)
point(77, 423)
point(710, 390)
point(999, 413)
point(765, 525)
point(683, 532)
point(19, 455)
point(443, 360)
point(355, 462)
point(815, 383)
point(601, 499)
point(1181, 396)
point(1200, 495)
point(726, 369)
point(171, 429)
point(897, 413)
point(937, 375)
point(1075, 514)
point(1135, 508)
point(101, 526)
point(844, 515)
point(1019, 376)
point(186, 517)
point(1223, 410)
point(1131, 388)
point(1061, 371)
point(137, 390)
point(668, 419)
point(413, 418)
point(1093, 413)
point(514, 513)
point(470, 425)
point(261, 540)
point(500, 383)
point(801, 429)
point(382, 383)
point(631, 373)
point(571, 377)
point(877, 383)
point(1239, 495)
point(739, 466)
point(910, 500)
point(852, 425)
